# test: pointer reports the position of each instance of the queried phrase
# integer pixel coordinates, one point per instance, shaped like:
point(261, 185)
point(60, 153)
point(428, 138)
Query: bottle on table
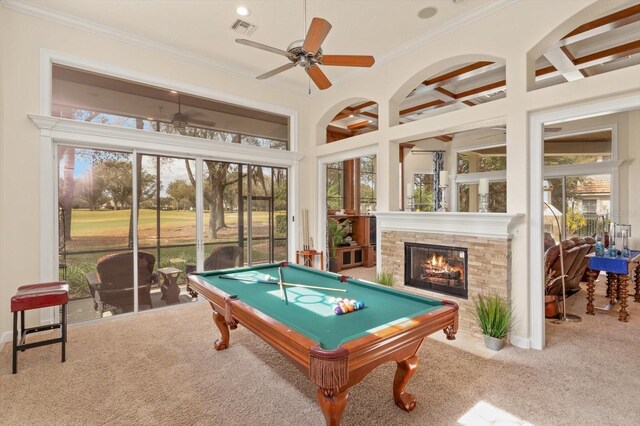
point(613, 251)
point(625, 244)
point(599, 246)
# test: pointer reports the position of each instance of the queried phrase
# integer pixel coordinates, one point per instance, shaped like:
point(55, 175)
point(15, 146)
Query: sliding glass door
point(95, 231)
point(167, 224)
point(245, 208)
point(128, 225)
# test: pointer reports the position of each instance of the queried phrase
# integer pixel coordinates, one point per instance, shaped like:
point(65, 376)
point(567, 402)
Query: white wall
point(23, 37)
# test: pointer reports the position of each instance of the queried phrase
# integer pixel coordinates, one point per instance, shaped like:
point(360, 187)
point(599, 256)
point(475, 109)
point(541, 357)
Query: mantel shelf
point(494, 225)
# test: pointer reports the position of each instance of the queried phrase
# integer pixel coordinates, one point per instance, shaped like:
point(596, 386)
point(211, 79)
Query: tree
point(219, 176)
point(183, 193)
point(90, 192)
point(115, 177)
point(66, 186)
point(575, 220)
point(423, 192)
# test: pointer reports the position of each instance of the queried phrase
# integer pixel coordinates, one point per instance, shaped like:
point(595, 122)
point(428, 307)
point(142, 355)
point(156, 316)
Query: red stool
point(36, 296)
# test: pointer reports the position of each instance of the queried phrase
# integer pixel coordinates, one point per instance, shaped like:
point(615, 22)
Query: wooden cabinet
point(363, 232)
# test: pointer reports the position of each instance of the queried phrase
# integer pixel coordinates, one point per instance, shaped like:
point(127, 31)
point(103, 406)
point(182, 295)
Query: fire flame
point(439, 262)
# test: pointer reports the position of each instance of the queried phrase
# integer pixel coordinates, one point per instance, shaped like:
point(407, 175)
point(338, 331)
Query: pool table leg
point(405, 370)
point(222, 343)
point(450, 332)
point(332, 402)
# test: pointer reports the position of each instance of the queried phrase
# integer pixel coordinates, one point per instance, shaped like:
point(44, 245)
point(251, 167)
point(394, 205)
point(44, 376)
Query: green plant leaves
point(493, 315)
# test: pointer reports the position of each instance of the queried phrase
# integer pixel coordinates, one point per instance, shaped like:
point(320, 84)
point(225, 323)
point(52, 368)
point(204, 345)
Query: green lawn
point(108, 231)
point(110, 222)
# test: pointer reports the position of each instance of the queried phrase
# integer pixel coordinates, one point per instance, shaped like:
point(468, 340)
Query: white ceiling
point(202, 28)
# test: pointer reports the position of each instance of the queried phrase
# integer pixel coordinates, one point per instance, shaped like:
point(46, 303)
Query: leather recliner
point(575, 262)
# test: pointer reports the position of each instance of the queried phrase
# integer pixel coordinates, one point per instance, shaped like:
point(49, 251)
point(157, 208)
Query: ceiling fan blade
point(262, 47)
point(348, 60)
point(318, 31)
point(318, 77)
point(276, 71)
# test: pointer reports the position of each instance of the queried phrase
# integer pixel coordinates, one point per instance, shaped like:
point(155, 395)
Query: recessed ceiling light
point(427, 12)
point(243, 11)
point(351, 116)
point(150, 118)
point(175, 92)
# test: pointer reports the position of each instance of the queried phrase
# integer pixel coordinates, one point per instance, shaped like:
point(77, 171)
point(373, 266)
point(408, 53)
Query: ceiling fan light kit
point(308, 54)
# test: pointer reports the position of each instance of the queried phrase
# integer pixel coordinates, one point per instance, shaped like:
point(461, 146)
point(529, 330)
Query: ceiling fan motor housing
point(301, 57)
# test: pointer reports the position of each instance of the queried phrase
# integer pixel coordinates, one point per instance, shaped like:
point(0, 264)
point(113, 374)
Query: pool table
point(335, 351)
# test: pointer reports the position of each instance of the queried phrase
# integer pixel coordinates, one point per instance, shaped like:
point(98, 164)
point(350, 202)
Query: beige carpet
point(160, 368)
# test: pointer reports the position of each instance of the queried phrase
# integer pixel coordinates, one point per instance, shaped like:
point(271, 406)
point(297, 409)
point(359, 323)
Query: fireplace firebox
point(436, 268)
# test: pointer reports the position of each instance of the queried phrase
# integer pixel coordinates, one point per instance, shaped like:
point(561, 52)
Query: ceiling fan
point(181, 120)
point(308, 54)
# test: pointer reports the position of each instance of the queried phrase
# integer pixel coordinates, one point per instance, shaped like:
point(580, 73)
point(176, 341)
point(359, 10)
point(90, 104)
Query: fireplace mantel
point(492, 225)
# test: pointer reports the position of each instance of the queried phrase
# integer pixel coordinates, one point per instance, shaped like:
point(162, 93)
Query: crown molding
point(103, 30)
point(93, 27)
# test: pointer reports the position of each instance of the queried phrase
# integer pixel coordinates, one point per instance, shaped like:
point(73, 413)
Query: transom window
point(85, 96)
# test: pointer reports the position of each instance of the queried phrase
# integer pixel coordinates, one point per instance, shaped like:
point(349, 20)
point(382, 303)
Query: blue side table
point(618, 271)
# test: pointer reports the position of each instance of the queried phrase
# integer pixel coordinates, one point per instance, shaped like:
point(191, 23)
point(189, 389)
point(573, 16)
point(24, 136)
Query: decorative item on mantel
point(411, 199)
point(483, 191)
point(444, 184)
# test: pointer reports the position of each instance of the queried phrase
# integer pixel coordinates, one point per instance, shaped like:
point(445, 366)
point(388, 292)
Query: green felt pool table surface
point(310, 311)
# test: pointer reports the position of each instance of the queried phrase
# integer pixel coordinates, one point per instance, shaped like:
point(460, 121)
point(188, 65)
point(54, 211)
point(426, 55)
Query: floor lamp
point(565, 317)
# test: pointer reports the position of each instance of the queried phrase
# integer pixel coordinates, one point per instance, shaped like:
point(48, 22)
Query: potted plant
point(494, 317)
point(336, 230)
point(385, 278)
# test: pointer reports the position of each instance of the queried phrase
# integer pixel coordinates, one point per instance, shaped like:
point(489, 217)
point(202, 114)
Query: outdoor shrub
point(78, 286)
point(281, 225)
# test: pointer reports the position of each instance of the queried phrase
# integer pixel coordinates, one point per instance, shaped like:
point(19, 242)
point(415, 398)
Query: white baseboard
point(5, 337)
point(520, 342)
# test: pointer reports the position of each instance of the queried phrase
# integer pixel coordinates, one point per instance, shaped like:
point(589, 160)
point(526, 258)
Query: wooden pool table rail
point(334, 371)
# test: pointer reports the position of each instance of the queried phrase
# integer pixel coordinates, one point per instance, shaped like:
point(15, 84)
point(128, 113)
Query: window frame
point(54, 131)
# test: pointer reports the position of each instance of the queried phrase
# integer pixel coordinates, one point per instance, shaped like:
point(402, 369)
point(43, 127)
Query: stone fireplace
point(437, 268)
point(475, 246)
